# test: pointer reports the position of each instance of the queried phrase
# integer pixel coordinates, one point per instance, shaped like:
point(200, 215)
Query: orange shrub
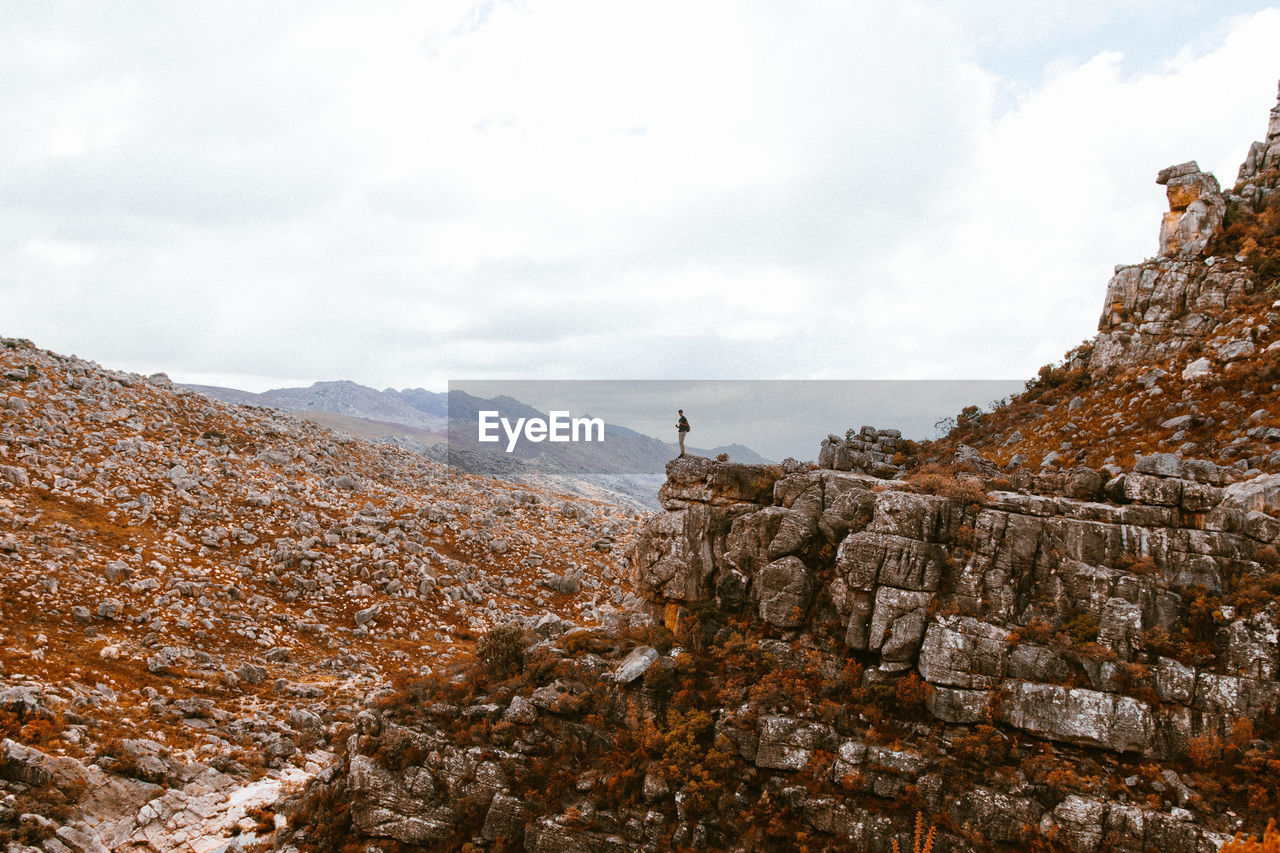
point(983, 746)
point(1270, 842)
point(923, 841)
point(1241, 733)
point(1144, 566)
point(934, 479)
point(1205, 751)
point(1037, 630)
point(913, 691)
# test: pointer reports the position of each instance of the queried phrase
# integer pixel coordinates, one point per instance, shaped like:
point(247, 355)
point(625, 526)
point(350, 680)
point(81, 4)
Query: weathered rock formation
point(869, 450)
point(1195, 212)
point(936, 583)
point(1063, 668)
point(1157, 309)
point(948, 588)
point(1260, 171)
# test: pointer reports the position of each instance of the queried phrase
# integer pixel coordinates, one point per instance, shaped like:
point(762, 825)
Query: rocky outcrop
point(1128, 568)
point(1156, 310)
point(1195, 212)
point(1055, 647)
point(868, 451)
point(975, 599)
point(418, 804)
point(1185, 355)
point(1260, 172)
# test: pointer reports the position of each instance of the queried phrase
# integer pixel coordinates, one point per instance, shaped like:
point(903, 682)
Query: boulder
point(1076, 715)
point(1002, 817)
point(635, 664)
point(694, 479)
point(400, 806)
point(960, 651)
point(521, 711)
point(1260, 493)
point(766, 535)
point(784, 588)
point(898, 623)
point(505, 819)
point(1198, 369)
point(787, 743)
point(666, 563)
point(954, 705)
point(252, 673)
point(866, 558)
point(24, 764)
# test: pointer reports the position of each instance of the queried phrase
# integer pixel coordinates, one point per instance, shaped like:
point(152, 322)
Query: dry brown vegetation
point(1270, 842)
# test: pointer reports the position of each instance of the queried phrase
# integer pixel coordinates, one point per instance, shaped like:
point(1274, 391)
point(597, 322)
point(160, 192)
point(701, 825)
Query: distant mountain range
point(415, 407)
point(442, 426)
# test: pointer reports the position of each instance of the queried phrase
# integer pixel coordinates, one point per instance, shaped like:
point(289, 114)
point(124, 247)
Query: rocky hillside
point(1051, 637)
point(195, 595)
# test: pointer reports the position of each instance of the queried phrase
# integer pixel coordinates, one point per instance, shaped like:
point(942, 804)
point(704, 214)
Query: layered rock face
point(1038, 668)
point(1156, 310)
point(939, 584)
point(972, 595)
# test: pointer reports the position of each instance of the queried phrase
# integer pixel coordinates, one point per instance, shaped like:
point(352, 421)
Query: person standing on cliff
point(682, 427)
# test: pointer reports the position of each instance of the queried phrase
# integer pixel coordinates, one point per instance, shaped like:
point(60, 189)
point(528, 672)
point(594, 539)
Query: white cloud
point(1061, 189)
point(405, 192)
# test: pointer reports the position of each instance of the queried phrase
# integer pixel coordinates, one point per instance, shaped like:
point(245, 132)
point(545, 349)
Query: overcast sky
point(265, 194)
